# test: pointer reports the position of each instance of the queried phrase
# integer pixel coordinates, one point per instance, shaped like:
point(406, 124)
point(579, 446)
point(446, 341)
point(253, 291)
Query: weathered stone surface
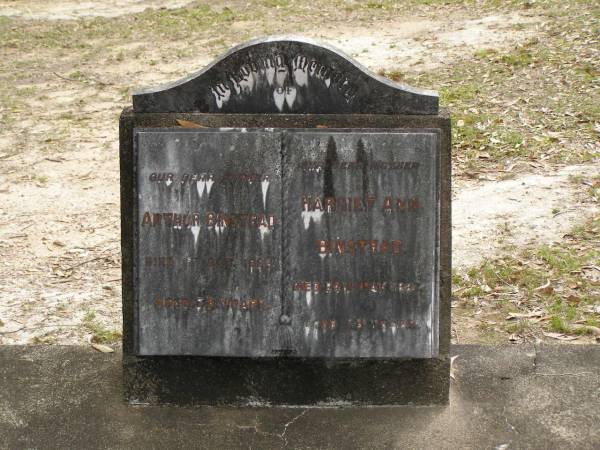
point(360, 262)
point(359, 218)
point(281, 380)
point(208, 254)
point(285, 75)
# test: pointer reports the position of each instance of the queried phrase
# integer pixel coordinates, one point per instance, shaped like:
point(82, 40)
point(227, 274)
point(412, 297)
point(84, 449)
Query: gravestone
point(285, 234)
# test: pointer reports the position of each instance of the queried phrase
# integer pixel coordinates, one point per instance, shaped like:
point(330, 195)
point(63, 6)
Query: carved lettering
point(338, 287)
point(159, 261)
point(359, 323)
point(359, 247)
point(357, 204)
point(209, 303)
point(281, 78)
point(318, 166)
point(211, 219)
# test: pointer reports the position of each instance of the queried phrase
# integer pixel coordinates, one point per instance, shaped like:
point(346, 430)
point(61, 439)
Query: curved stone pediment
point(285, 75)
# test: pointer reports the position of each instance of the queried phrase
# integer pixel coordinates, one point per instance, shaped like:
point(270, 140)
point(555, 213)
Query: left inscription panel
point(208, 242)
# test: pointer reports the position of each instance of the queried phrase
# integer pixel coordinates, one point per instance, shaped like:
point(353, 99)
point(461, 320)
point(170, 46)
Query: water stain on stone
point(330, 160)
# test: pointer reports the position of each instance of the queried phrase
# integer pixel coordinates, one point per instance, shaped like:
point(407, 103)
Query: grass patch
point(450, 96)
point(26, 92)
point(485, 53)
point(519, 327)
point(540, 97)
point(561, 260)
point(276, 3)
point(46, 339)
point(517, 58)
point(380, 4)
point(558, 325)
point(151, 24)
point(551, 288)
point(100, 334)
point(394, 75)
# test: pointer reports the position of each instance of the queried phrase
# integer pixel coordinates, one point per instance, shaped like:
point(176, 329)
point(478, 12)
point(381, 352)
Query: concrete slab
point(502, 397)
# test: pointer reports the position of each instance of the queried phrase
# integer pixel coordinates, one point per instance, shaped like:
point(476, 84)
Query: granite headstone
point(299, 232)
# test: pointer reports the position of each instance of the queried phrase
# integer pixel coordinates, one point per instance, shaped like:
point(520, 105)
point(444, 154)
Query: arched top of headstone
point(285, 75)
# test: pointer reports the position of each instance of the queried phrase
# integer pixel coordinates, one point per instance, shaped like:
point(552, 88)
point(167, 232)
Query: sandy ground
point(59, 221)
point(413, 43)
point(65, 10)
point(420, 44)
point(524, 211)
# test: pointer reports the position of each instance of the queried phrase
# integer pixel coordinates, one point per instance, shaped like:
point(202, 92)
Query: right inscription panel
point(360, 243)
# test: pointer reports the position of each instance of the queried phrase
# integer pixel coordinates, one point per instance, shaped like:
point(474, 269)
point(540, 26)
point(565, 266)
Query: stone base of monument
point(284, 381)
point(286, 234)
point(287, 380)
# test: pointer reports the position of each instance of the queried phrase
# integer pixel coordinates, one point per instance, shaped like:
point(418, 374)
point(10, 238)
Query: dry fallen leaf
point(524, 315)
point(560, 336)
point(103, 348)
point(545, 289)
point(539, 319)
point(452, 369)
point(188, 124)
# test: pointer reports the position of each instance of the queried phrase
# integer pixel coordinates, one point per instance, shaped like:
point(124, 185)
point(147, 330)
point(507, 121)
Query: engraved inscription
point(339, 287)
point(287, 75)
point(208, 227)
point(284, 82)
point(208, 304)
point(363, 235)
point(359, 247)
point(349, 204)
point(310, 243)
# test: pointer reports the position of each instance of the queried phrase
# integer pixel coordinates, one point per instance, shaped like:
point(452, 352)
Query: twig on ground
point(86, 262)
point(69, 79)
point(84, 81)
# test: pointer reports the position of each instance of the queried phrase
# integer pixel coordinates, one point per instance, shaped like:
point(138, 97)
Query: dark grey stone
point(202, 325)
point(209, 244)
point(359, 216)
point(281, 379)
point(286, 75)
point(360, 261)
